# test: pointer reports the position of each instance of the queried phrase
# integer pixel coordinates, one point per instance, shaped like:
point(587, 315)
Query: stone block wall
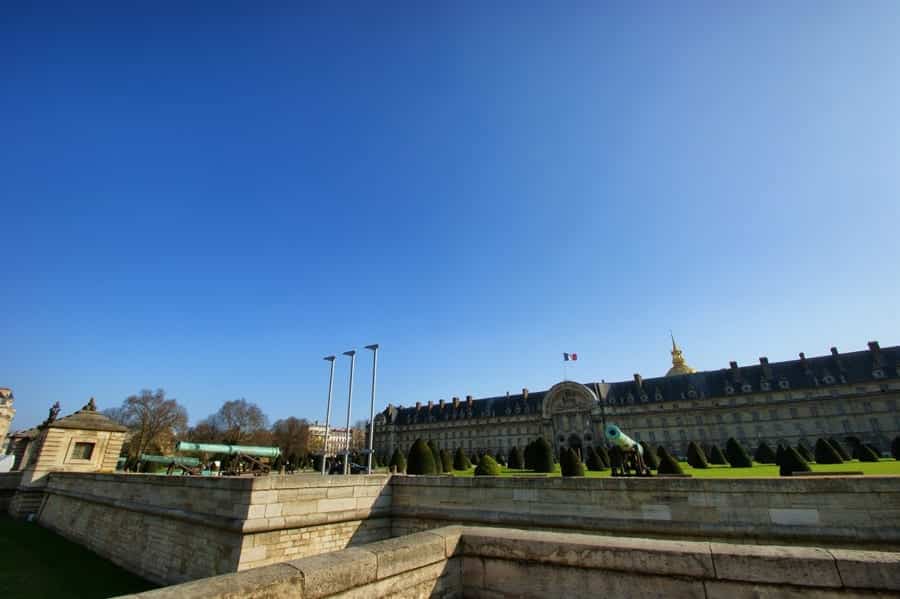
point(173, 529)
point(497, 563)
point(9, 481)
point(845, 511)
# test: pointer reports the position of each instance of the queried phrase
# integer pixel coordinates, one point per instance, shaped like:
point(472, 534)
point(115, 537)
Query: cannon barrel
point(616, 437)
point(250, 450)
point(168, 459)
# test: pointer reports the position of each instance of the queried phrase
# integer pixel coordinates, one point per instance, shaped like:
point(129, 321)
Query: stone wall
point(8, 483)
point(847, 511)
point(494, 563)
point(173, 529)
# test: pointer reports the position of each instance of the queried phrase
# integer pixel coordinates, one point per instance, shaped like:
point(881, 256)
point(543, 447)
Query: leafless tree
point(292, 436)
point(241, 421)
point(153, 421)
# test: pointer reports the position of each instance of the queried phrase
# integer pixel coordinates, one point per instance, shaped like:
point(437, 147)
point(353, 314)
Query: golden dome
point(679, 366)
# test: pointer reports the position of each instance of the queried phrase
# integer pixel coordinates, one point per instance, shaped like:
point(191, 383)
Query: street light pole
point(327, 413)
point(352, 354)
point(374, 349)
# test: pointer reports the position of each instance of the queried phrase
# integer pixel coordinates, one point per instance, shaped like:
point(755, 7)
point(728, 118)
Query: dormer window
point(784, 384)
point(765, 386)
point(692, 394)
point(829, 380)
point(878, 373)
point(746, 388)
point(658, 395)
point(644, 397)
point(729, 390)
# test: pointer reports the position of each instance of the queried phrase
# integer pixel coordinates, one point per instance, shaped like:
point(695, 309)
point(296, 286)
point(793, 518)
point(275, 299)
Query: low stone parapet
point(495, 562)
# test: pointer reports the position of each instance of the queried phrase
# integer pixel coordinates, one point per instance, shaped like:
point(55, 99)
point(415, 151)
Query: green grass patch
point(35, 563)
point(882, 467)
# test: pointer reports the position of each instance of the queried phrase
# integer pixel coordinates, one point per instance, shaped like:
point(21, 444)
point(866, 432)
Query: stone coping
point(797, 569)
point(258, 483)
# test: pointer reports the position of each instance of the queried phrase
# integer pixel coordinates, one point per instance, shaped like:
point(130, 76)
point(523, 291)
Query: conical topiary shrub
point(420, 459)
point(764, 454)
point(398, 462)
point(695, 456)
point(446, 461)
point(516, 461)
point(543, 456)
point(779, 454)
point(487, 466)
point(805, 453)
point(825, 453)
point(528, 455)
point(436, 456)
point(895, 448)
point(570, 464)
point(736, 454)
point(791, 462)
point(650, 456)
point(839, 448)
point(603, 454)
point(460, 460)
point(668, 464)
point(867, 453)
point(717, 457)
point(594, 462)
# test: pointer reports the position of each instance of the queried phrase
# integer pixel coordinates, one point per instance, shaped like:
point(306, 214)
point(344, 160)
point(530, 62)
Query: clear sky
point(210, 200)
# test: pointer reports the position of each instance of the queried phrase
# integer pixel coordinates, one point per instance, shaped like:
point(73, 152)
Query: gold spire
point(679, 366)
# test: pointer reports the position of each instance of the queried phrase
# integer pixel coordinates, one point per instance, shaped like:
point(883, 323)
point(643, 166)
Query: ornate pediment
point(568, 397)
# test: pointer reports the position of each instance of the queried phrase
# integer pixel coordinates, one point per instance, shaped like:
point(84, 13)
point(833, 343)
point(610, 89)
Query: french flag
point(570, 357)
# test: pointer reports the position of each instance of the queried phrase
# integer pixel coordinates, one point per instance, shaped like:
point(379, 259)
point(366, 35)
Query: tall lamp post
point(352, 354)
point(374, 349)
point(327, 413)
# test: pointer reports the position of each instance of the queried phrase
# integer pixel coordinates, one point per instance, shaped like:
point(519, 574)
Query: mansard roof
point(487, 407)
point(805, 373)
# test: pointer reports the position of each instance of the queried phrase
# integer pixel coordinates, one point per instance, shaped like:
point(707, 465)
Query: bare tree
point(292, 436)
point(241, 422)
point(153, 421)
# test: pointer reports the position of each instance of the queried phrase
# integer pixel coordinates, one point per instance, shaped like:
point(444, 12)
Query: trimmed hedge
point(516, 461)
point(420, 459)
point(398, 462)
point(594, 461)
point(764, 454)
point(736, 454)
point(867, 453)
point(825, 453)
point(716, 456)
point(543, 456)
point(839, 448)
point(570, 464)
point(695, 456)
point(792, 461)
point(461, 460)
point(446, 461)
point(650, 457)
point(779, 454)
point(805, 452)
point(603, 454)
point(487, 466)
point(895, 448)
point(436, 456)
point(668, 464)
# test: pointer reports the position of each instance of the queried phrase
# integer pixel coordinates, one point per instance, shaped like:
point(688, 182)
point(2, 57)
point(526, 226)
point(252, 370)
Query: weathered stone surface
point(868, 569)
point(651, 556)
point(331, 573)
point(405, 553)
point(270, 582)
point(800, 566)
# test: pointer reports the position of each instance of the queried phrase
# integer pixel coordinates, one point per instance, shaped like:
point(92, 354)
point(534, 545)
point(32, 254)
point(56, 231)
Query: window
point(82, 451)
point(719, 418)
point(755, 416)
point(874, 423)
point(793, 412)
point(699, 419)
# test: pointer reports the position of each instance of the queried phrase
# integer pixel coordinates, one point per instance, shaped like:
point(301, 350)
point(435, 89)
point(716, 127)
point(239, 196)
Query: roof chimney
point(876, 352)
point(469, 400)
point(455, 403)
point(524, 393)
point(441, 404)
point(764, 362)
point(735, 372)
point(638, 381)
point(418, 404)
point(430, 404)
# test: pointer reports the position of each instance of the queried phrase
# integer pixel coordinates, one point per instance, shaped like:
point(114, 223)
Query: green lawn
point(35, 562)
point(888, 466)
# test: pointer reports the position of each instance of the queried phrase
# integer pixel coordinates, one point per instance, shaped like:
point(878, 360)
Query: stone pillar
point(7, 412)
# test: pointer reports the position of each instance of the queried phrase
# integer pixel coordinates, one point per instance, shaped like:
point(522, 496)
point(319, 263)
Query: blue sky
point(210, 201)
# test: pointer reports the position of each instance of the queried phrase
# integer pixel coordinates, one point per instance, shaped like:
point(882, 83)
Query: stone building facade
point(838, 395)
point(7, 412)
